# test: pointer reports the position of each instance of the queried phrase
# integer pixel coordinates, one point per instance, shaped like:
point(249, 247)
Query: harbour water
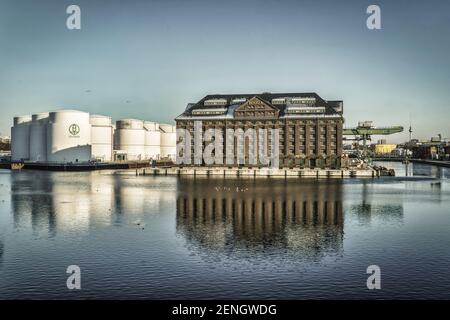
point(163, 237)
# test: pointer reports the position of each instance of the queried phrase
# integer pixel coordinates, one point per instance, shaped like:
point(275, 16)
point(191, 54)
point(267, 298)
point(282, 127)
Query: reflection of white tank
point(101, 137)
point(152, 140)
point(130, 137)
point(20, 138)
point(71, 204)
point(38, 137)
point(69, 136)
point(101, 194)
point(168, 141)
point(132, 199)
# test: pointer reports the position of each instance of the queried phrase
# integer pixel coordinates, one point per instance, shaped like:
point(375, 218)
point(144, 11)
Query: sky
point(148, 59)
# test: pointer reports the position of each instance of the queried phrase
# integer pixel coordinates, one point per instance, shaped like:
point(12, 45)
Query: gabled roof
point(266, 97)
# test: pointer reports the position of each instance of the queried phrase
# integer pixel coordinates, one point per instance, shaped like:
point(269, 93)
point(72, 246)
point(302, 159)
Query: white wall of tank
point(152, 144)
point(20, 138)
point(101, 137)
point(130, 137)
point(168, 141)
point(69, 136)
point(38, 137)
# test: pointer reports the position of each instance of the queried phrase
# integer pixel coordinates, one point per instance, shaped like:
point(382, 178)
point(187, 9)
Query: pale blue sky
point(160, 55)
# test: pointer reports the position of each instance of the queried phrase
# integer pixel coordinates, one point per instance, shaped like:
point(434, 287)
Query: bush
point(4, 146)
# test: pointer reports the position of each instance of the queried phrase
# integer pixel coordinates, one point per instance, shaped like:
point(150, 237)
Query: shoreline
point(144, 168)
point(76, 167)
point(264, 172)
point(438, 163)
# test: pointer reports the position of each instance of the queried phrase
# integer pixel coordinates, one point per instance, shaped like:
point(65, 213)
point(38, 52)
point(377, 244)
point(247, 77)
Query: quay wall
point(265, 172)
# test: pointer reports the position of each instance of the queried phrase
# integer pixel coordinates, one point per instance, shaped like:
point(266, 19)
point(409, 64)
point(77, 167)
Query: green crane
point(365, 129)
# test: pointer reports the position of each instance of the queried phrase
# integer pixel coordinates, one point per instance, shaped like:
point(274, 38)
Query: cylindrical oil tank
point(129, 136)
point(152, 140)
point(20, 138)
point(38, 137)
point(69, 137)
point(168, 141)
point(101, 137)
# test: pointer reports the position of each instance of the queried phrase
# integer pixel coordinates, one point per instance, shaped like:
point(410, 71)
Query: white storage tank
point(20, 138)
point(152, 140)
point(168, 141)
point(101, 137)
point(38, 137)
point(129, 136)
point(69, 137)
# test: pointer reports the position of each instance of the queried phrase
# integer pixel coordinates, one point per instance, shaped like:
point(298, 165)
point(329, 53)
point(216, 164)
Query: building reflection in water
point(32, 202)
point(430, 171)
point(51, 202)
point(2, 248)
point(392, 213)
point(366, 207)
point(225, 215)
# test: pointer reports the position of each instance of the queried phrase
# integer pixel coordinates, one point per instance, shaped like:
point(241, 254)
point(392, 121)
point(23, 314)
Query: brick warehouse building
point(310, 128)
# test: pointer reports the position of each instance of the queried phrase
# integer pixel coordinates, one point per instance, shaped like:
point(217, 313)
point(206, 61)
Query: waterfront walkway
point(263, 172)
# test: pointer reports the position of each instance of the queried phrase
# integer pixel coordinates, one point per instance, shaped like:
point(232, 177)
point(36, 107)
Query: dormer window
point(215, 102)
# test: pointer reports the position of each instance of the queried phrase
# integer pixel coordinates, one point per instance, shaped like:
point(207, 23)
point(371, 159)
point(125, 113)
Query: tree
point(5, 146)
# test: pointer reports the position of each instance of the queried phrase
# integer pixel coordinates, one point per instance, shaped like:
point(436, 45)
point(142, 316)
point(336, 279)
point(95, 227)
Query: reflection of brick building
point(301, 216)
point(310, 128)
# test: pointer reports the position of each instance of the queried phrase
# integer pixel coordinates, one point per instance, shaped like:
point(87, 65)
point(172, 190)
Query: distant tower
point(410, 129)
point(409, 148)
point(410, 132)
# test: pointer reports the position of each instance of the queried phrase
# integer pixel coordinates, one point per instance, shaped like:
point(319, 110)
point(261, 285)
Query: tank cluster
point(70, 136)
point(144, 140)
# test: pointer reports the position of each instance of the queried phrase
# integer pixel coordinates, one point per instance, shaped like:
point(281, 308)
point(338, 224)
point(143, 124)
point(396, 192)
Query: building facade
point(384, 149)
point(309, 127)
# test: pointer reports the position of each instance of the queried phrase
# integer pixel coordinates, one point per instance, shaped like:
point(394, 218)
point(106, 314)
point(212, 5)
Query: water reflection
point(261, 238)
point(51, 202)
point(416, 170)
point(31, 199)
point(370, 207)
point(2, 248)
point(385, 212)
point(430, 171)
point(229, 215)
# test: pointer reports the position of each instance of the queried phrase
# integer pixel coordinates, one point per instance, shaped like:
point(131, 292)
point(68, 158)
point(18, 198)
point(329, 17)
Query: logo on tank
point(74, 129)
